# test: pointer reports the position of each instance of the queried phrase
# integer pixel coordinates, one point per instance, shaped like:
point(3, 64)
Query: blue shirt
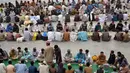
point(21, 68)
point(32, 69)
point(80, 56)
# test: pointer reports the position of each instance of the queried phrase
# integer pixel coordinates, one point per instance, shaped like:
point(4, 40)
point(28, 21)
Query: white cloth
point(37, 17)
point(54, 18)
point(43, 69)
point(36, 28)
point(85, 17)
point(60, 18)
point(102, 18)
point(32, 18)
point(50, 8)
point(73, 36)
point(58, 36)
point(51, 36)
point(125, 27)
point(125, 16)
point(20, 39)
point(2, 68)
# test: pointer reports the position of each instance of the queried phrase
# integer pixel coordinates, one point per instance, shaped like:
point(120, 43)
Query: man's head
point(68, 51)
point(102, 53)
point(32, 63)
point(58, 21)
point(125, 23)
point(87, 64)
point(26, 49)
point(10, 62)
point(86, 51)
point(126, 31)
point(34, 49)
point(22, 61)
point(1, 31)
point(47, 43)
point(42, 50)
point(98, 23)
point(69, 67)
point(26, 29)
point(80, 51)
point(112, 51)
point(19, 48)
point(119, 53)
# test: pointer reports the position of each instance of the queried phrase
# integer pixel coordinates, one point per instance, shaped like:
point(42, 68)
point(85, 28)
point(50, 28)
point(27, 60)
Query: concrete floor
point(94, 47)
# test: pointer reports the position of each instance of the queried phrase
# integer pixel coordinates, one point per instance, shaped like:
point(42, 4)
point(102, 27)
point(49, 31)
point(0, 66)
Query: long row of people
point(49, 54)
point(63, 36)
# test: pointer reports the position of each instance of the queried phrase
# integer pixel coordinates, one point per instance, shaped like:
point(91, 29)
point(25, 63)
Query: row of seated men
point(80, 57)
point(65, 36)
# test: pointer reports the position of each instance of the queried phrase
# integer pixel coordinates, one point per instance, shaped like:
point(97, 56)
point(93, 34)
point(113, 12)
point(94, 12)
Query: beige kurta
point(49, 53)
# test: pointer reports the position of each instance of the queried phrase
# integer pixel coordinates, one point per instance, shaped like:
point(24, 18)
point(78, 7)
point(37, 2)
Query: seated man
point(82, 35)
point(34, 36)
point(10, 36)
point(68, 56)
point(126, 37)
point(27, 35)
point(87, 55)
point(3, 54)
point(118, 36)
point(41, 55)
point(96, 36)
point(73, 35)
point(19, 52)
point(13, 54)
point(77, 17)
point(39, 36)
point(17, 35)
point(101, 59)
point(80, 57)
point(2, 36)
point(98, 27)
point(66, 35)
point(51, 36)
point(50, 27)
point(35, 54)
point(27, 55)
point(106, 36)
point(44, 36)
point(58, 36)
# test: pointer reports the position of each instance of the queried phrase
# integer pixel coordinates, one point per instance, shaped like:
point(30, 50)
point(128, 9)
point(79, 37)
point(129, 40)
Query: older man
point(49, 53)
point(68, 56)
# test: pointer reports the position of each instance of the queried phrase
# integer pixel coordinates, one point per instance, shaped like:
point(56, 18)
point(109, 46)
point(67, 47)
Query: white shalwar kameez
point(73, 36)
point(58, 36)
point(51, 35)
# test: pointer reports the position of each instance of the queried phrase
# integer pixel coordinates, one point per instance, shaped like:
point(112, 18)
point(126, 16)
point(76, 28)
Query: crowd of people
point(51, 55)
point(36, 18)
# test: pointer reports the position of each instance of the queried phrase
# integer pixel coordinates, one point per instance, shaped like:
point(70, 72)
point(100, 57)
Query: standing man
point(49, 53)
